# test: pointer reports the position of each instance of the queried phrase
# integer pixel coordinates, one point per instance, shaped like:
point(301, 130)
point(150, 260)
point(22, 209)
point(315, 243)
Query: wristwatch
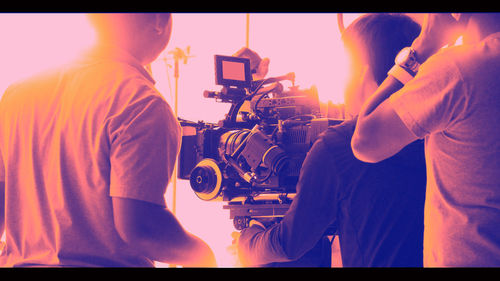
point(407, 59)
point(406, 65)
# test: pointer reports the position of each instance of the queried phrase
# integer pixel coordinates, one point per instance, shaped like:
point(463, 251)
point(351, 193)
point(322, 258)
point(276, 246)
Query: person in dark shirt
point(376, 209)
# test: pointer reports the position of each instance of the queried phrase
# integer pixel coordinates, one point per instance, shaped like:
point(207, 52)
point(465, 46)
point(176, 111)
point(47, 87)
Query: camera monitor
point(232, 71)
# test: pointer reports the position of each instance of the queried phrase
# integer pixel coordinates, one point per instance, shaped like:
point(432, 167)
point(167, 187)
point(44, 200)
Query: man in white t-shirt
point(87, 151)
point(453, 102)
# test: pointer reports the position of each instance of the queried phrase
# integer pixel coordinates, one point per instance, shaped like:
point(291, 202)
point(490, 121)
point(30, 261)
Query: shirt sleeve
point(145, 140)
point(431, 102)
point(312, 211)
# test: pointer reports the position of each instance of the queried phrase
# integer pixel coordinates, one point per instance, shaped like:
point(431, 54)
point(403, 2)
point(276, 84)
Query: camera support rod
point(248, 31)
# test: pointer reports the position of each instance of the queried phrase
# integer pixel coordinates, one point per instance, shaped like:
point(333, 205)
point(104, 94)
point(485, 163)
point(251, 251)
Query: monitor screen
point(232, 71)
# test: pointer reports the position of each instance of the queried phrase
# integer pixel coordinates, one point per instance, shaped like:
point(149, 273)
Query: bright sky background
point(307, 44)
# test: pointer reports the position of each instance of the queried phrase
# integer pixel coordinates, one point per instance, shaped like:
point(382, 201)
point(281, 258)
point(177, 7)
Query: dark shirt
point(377, 209)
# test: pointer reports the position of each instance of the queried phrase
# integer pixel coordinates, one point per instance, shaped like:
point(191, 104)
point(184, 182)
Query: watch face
point(403, 57)
point(406, 58)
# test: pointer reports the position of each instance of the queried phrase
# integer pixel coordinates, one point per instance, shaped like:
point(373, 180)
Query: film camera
point(252, 158)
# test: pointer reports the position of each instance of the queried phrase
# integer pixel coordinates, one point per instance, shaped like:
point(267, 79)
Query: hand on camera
point(258, 65)
point(236, 234)
point(233, 248)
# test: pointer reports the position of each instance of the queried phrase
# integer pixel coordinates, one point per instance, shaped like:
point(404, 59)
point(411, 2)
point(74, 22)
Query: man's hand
point(233, 249)
point(262, 69)
point(438, 30)
point(258, 65)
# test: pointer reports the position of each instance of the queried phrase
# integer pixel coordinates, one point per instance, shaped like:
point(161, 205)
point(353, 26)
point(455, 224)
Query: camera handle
point(256, 85)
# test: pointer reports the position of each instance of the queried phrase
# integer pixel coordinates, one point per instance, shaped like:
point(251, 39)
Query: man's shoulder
point(37, 82)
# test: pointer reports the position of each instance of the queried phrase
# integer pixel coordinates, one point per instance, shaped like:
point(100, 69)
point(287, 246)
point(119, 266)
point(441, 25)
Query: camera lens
point(276, 159)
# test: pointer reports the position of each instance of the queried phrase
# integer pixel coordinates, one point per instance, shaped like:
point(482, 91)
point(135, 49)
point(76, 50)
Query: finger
point(262, 69)
point(264, 64)
point(258, 223)
point(235, 235)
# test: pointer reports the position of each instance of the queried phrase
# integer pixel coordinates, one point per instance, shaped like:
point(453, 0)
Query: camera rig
point(252, 158)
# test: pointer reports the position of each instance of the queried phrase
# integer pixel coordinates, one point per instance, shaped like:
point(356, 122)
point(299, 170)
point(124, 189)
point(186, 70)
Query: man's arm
point(155, 232)
point(145, 142)
point(379, 132)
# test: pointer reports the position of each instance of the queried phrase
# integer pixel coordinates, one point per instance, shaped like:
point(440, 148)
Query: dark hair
point(379, 38)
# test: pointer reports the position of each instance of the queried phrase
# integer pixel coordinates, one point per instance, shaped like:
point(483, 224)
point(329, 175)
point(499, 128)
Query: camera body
point(252, 158)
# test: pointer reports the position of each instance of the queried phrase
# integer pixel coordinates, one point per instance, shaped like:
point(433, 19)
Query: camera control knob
point(206, 179)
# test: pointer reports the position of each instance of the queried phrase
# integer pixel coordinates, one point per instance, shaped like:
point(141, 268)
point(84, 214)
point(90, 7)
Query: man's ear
point(160, 22)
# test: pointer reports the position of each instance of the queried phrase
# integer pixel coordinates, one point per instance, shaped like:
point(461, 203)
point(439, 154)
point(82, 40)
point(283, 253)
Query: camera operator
point(87, 152)
point(450, 98)
point(377, 209)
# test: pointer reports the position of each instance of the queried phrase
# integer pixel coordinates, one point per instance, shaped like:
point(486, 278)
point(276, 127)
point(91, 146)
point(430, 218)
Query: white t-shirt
point(70, 140)
point(454, 103)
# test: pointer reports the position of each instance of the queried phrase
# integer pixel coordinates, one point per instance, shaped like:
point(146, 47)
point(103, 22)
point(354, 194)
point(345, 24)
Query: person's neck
point(110, 46)
point(476, 32)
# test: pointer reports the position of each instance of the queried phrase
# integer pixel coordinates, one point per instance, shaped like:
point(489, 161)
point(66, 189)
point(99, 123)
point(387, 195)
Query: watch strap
point(400, 73)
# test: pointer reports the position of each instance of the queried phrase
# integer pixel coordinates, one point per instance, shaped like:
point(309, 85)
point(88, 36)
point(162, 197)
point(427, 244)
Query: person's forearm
point(153, 231)
point(388, 87)
point(257, 246)
point(170, 243)
point(189, 251)
point(367, 142)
